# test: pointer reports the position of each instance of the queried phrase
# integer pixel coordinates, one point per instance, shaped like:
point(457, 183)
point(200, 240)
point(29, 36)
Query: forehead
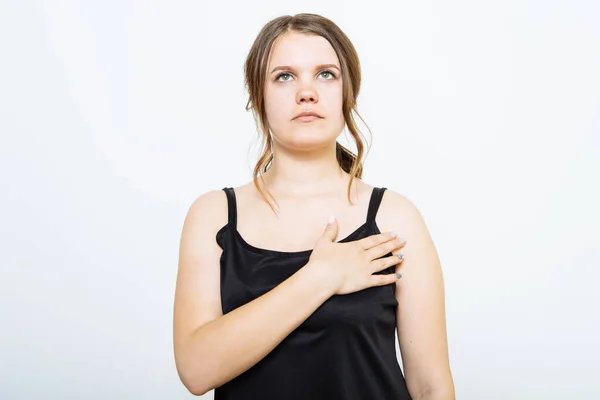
point(301, 50)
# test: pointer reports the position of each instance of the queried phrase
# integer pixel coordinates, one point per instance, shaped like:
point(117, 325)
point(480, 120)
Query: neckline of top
point(300, 253)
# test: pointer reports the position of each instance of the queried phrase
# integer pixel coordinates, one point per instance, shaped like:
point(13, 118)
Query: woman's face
point(304, 75)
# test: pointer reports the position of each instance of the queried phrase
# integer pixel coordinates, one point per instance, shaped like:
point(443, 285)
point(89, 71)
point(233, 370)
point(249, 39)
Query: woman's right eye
point(283, 80)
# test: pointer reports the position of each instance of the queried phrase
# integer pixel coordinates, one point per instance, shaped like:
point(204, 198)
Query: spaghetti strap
point(231, 206)
point(376, 197)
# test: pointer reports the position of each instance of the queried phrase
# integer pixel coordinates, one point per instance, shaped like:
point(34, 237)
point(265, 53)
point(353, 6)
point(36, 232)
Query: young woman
point(269, 303)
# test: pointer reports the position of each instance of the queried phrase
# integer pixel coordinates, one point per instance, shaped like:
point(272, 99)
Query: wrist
point(319, 279)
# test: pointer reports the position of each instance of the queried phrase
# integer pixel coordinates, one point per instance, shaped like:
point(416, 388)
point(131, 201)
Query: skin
point(307, 181)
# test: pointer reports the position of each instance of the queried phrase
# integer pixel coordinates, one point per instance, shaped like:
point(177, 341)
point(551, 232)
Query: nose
point(307, 94)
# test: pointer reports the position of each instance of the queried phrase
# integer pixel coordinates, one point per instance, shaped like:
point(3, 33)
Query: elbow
point(196, 387)
point(198, 392)
point(192, 367)
point(195, 391)
point(193, 377)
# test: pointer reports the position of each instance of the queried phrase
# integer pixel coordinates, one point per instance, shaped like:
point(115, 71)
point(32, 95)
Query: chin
point(311, 140)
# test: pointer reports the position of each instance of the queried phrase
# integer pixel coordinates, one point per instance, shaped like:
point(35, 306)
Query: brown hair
point(255, 75)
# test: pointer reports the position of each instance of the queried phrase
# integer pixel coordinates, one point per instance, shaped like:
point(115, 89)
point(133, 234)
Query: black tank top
point(345, 350)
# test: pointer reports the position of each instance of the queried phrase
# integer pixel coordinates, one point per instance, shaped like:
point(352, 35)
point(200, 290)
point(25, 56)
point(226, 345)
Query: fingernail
point(393, 234)
point(400, 256)
point(331, 219)
point(399, 276)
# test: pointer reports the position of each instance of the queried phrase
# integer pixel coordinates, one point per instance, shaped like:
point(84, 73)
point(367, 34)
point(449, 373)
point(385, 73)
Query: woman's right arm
point(212, 348)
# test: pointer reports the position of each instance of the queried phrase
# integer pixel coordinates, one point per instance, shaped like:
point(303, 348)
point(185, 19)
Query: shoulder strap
point(231, 206)
point(376, 197)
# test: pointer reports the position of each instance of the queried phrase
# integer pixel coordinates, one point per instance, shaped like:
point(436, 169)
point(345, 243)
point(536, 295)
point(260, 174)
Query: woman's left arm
point(421, 312)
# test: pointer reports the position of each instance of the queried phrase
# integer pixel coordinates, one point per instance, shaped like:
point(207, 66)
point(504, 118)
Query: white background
point(115, 116)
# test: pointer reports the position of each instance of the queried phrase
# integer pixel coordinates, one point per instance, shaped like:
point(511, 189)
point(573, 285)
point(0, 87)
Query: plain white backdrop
point(115, 116)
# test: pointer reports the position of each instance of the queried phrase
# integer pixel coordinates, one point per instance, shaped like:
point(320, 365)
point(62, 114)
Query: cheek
point(334, 100)
point(333, 96)
point(275, 106)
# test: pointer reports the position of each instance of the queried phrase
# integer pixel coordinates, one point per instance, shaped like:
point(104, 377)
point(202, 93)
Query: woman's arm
point(421, 306)
point(211, 348)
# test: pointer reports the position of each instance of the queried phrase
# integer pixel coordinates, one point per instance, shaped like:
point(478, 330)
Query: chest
point(296, 227)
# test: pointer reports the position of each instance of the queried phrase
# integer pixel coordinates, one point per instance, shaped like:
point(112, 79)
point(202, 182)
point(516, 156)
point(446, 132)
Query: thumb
point(331, 229)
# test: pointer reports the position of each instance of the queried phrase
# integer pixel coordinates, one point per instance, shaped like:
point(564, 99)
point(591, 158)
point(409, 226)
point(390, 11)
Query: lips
point(307, 115)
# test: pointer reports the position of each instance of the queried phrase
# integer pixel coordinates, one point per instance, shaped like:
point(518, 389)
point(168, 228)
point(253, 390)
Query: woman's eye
point(331, 75)
point(283, 80)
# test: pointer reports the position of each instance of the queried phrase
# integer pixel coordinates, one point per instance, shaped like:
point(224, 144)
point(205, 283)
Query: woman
point(268, 303)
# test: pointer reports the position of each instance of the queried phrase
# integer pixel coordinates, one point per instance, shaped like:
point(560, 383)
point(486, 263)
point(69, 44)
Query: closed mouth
point(307, 115)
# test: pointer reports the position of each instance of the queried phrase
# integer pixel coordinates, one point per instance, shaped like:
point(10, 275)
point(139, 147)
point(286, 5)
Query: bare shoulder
point(398, 210)
point(209, 210)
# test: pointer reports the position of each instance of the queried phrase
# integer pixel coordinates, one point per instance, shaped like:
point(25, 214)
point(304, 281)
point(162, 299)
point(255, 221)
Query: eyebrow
point(288, 68)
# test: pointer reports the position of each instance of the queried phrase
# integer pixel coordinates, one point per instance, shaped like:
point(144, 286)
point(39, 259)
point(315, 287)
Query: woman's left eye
point(328, 72)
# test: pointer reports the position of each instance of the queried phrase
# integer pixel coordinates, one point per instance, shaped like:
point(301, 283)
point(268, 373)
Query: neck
point(310, 174)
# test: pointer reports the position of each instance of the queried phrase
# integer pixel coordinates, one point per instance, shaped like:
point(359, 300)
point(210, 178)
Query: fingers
point(375, 240)
point(381, 280)
point(384, 248)
point(386, 262)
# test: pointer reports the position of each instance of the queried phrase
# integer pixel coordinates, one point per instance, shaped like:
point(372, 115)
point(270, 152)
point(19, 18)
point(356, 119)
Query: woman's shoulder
point(211, 200)
point(208, 209)
point(397, 209)
point(395, 198)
